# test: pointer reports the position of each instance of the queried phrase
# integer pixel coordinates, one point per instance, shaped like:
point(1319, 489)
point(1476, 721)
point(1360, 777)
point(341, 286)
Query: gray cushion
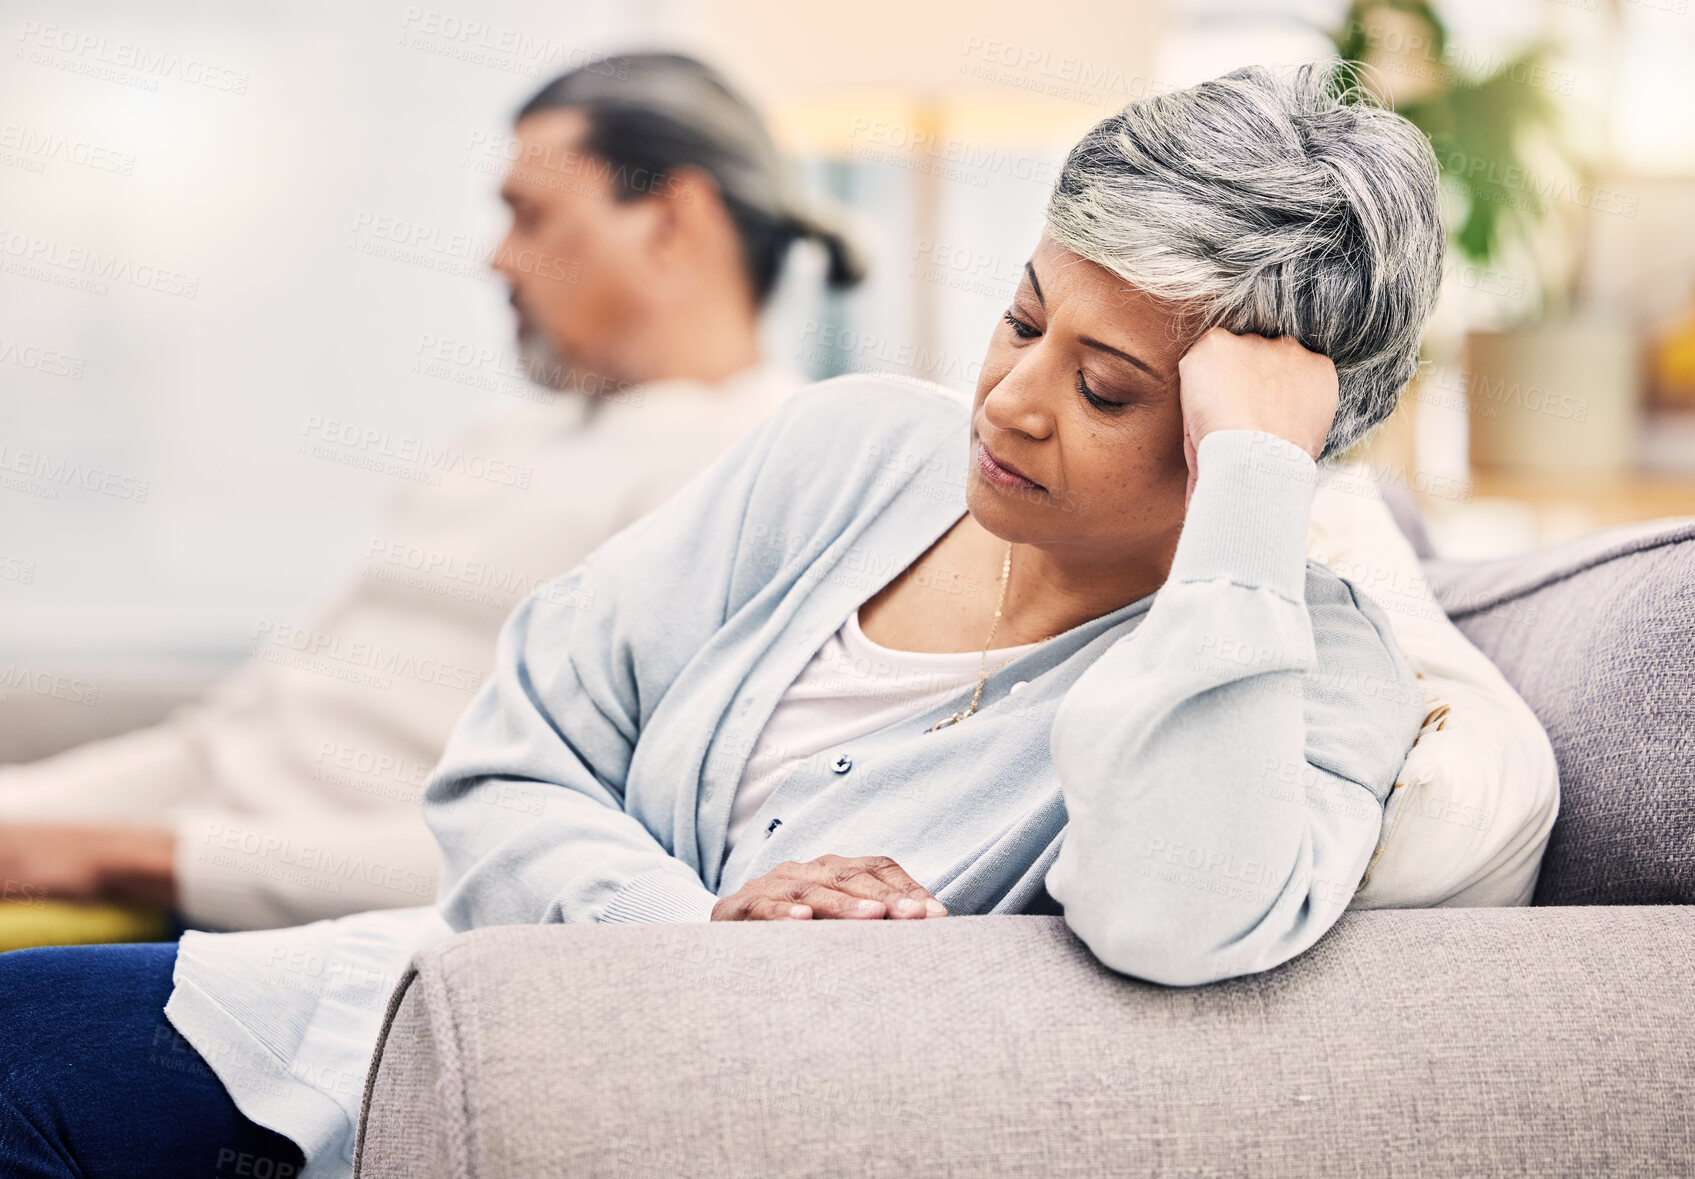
point(1598, 636)
point(1480, 1042)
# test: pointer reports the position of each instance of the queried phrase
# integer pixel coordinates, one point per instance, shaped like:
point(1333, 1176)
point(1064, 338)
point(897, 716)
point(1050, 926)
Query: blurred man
point(650, 220)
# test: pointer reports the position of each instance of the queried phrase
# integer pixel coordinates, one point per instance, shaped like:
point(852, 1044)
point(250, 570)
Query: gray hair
point(1278, 202)
point(651, 113)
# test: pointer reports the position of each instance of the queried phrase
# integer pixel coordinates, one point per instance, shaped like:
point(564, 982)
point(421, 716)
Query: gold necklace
point(982, 675)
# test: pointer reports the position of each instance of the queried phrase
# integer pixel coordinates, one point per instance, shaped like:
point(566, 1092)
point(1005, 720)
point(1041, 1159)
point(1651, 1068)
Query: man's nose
point(501, 263)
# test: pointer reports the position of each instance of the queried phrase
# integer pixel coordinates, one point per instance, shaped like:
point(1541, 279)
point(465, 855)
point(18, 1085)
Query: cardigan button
point(1017, 686)
point(842, 764)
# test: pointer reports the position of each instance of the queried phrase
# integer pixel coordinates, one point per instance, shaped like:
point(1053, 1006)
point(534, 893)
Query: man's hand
point(1231, 382)
point(128, 865)
point(861, 887)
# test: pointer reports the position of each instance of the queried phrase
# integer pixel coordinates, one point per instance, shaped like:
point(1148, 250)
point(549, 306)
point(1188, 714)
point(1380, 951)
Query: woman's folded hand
point(840, 887)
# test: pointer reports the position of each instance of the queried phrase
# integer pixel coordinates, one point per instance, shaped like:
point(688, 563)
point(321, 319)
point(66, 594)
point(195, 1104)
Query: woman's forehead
point(1098, 301)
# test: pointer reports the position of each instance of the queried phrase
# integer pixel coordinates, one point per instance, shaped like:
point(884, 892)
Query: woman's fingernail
point(908, 906)
point(935, 908)
point(799, 911)
point(867, 907)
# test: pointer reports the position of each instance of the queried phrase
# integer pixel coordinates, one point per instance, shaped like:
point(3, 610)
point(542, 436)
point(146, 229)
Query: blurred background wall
point(220, 224)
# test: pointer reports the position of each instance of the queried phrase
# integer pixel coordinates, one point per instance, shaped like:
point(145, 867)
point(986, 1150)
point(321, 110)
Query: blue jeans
point(95, 1082)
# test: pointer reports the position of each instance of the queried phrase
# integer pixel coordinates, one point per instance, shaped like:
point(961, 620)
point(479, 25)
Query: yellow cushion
point(58, 923)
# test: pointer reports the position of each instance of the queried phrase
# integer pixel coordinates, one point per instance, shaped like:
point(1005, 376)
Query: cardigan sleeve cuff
point(1247, 520)
point(670, 894)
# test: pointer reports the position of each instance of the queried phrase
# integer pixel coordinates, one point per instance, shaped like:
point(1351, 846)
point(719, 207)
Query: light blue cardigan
point(1198, 777)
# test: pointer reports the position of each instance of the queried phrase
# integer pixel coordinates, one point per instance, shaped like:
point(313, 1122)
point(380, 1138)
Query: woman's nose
point(1015, 404)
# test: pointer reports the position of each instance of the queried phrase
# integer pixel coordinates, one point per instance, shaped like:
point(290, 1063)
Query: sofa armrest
point(404, 1071)
point(1441, 1042)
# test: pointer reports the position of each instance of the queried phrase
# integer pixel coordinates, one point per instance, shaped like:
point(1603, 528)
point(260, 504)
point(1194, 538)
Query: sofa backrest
point(1598, 636)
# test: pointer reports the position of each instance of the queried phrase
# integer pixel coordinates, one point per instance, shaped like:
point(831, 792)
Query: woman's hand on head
point(839, 887)
point(1249, 382)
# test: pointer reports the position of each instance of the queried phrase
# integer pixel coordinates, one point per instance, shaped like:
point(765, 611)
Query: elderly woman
point(900, 655)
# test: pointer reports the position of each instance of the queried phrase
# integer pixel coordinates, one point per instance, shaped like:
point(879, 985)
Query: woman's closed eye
point(1022, 330)
point(1090, 396)
point(1028, 331)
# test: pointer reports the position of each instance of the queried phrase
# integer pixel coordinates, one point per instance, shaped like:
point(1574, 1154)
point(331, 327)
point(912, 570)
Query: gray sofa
point(1551, 1040)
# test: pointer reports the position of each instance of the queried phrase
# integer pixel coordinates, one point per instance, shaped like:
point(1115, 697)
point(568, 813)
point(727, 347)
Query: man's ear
point(687, 205)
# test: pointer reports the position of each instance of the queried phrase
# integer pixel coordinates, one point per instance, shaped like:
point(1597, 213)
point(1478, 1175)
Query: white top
point(851, 687)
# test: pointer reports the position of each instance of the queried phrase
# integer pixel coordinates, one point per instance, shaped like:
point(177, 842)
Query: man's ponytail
point(848, 265)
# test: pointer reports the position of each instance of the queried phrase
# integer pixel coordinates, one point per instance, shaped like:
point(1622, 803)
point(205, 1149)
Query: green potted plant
point(1557, 391)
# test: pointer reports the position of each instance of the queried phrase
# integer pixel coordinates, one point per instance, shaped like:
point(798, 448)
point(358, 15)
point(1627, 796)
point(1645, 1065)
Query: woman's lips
point(1000, 474)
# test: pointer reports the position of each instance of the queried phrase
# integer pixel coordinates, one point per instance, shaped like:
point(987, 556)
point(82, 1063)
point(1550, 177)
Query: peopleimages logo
point(257, 849)
point(45, 361)
point(427, 457)
point(47, 145)
point(49, 470)
point(1028, 67)
point(497, 46)
point(39, 257)
point(948, 156)
point(450, 569)
point(1519, 186)
point(319, 651)
point(42, 683)
point(87, 52)
point(16, 569)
